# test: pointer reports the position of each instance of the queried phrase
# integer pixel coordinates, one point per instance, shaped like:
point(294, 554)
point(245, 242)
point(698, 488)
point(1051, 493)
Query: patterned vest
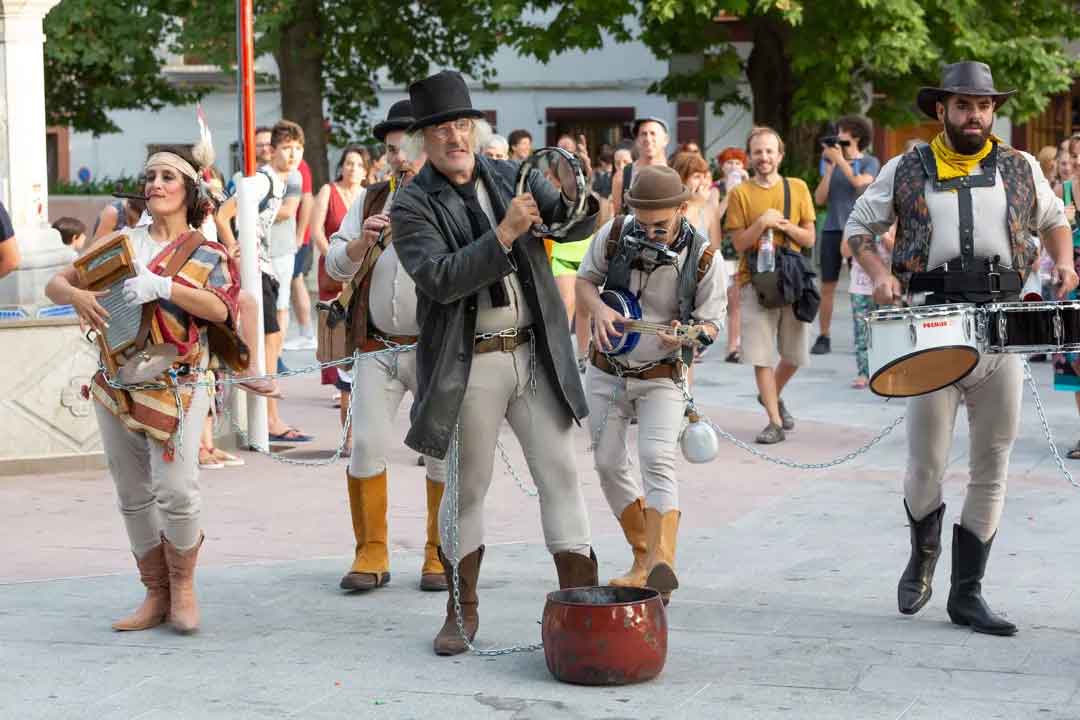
point(915, 228)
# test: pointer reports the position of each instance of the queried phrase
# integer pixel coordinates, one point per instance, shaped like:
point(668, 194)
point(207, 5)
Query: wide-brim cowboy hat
point(440, 98)
point(399, 117)
point(656, 187)
point(962, 78)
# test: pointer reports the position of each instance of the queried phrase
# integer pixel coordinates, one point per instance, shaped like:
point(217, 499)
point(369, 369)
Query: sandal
point(733, 357)
point(859, 383)
point(207, 460)
point(227, 459)
point(262, 387)
point(1074, 454)
point(771, 435)
point(291, 435)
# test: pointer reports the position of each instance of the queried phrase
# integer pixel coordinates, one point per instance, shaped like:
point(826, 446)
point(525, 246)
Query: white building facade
point(597, 93)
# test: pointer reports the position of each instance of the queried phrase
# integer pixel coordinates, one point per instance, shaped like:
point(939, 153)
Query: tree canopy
point(810, 60)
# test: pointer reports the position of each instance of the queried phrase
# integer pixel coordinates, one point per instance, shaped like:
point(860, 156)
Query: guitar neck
point(689, 332)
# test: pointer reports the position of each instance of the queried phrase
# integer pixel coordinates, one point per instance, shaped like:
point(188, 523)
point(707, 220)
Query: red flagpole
point(246, 20)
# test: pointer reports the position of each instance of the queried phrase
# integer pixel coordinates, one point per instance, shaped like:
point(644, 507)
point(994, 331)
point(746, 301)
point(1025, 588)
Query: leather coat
point(436, 247)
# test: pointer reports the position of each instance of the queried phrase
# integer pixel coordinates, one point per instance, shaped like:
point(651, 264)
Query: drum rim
point(1033, 306)
point(886, 366)
point(917, 311)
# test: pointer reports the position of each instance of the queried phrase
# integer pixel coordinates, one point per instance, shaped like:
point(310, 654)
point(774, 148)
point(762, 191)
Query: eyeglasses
point(843, 143)
point(447, 129)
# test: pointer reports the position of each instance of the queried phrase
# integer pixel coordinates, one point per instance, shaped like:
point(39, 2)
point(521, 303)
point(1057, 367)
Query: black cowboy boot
point(914, 590)
point(966, 605)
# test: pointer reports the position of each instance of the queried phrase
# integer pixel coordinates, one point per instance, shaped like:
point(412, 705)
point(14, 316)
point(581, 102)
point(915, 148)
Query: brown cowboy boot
point(576, 570)
point(633, 525)
point(432, 577)
point(154, 610)
point(449, 640)
point(184, 607)
point(661, 532)
point(368, 505)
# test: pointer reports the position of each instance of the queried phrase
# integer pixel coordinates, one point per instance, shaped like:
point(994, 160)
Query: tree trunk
point(771, 78)
point(299, 57)
point(773, 83)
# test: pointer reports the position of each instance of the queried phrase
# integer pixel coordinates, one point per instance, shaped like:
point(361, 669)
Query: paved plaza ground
point(787, 606)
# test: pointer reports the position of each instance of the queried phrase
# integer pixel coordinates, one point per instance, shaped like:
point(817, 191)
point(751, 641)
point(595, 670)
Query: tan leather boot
point(154, 610)
point(633, 525)
point(661, 532)
point(576, 570)
point(449, 640)
point(183, 607)
point(368, 505)
point(432, 578)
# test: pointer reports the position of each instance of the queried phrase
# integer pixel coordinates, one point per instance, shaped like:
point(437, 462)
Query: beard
point(964, 143)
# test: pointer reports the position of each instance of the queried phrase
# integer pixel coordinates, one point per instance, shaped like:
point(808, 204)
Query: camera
point(830, 140)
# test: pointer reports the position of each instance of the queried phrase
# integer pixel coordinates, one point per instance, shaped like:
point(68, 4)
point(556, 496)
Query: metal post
point(247, 212)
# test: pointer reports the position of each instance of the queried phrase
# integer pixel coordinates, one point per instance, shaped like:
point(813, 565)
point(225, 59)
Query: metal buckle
point(994, 281)
point(507, 342)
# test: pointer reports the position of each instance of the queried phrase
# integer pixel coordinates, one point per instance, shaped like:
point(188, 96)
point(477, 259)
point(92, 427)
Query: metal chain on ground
point(449, 520)
point(884, 433)
point(1046, 425)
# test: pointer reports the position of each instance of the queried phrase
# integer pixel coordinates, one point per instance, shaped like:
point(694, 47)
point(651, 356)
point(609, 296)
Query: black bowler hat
point(440, 98)
point(962, 78)
point(399, 117)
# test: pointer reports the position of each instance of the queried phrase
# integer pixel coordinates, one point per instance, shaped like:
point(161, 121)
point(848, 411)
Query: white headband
point(170, 159)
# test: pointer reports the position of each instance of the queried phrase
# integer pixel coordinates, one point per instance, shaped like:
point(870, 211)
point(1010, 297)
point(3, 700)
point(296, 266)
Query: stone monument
point(48, 425)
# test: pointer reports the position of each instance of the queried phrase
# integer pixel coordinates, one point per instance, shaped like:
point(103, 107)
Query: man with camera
point(848, 171)
point(765, 215)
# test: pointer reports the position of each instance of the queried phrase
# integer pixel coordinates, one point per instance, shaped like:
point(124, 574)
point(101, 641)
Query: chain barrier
point(1046, 425)
point(448, 518)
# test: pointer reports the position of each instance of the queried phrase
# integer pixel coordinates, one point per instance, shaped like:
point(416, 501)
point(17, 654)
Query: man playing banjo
point(663, 265)
point(966, 206)
point(494, 342)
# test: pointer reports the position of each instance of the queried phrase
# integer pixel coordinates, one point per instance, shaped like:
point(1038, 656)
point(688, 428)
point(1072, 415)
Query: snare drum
point(1032, 327)
point(917, 350)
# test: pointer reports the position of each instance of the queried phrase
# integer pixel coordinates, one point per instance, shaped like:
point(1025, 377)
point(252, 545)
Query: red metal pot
point(605, 635)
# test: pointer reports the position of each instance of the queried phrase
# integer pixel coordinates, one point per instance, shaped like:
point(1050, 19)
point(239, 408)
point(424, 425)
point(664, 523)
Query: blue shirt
point(842, 193)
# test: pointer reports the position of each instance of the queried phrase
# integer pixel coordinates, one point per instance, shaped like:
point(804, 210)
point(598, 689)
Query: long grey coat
point(436, 247)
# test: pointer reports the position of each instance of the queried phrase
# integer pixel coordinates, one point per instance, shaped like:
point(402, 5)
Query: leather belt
point(376, 342)
point(672, 370)
point(968, 280)
point(504, 342)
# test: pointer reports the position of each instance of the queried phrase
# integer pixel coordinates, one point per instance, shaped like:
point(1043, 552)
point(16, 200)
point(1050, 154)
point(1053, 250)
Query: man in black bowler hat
point(494, 341)
point(966, 207)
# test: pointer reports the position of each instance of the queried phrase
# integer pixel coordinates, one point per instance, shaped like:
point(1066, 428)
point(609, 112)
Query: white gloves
point(146, 286)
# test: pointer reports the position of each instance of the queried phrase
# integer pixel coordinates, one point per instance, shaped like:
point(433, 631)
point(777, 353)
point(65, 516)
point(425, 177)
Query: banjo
point(626, 304)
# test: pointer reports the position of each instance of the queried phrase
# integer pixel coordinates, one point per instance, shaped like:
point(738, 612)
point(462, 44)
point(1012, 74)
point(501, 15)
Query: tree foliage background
point(811, 59)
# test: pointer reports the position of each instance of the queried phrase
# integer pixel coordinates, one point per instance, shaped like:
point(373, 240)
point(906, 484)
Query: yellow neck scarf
point(951, 164)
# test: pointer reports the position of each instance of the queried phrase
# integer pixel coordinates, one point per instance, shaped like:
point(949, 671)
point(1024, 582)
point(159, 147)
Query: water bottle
point(766, 256)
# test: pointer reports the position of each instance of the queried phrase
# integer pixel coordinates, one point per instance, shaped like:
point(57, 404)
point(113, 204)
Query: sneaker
point(295, 343)
point(281, 366)
point(733, 357)
point(786, 418)
point(227, 459)
point(771, 435)
point(822, 346)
